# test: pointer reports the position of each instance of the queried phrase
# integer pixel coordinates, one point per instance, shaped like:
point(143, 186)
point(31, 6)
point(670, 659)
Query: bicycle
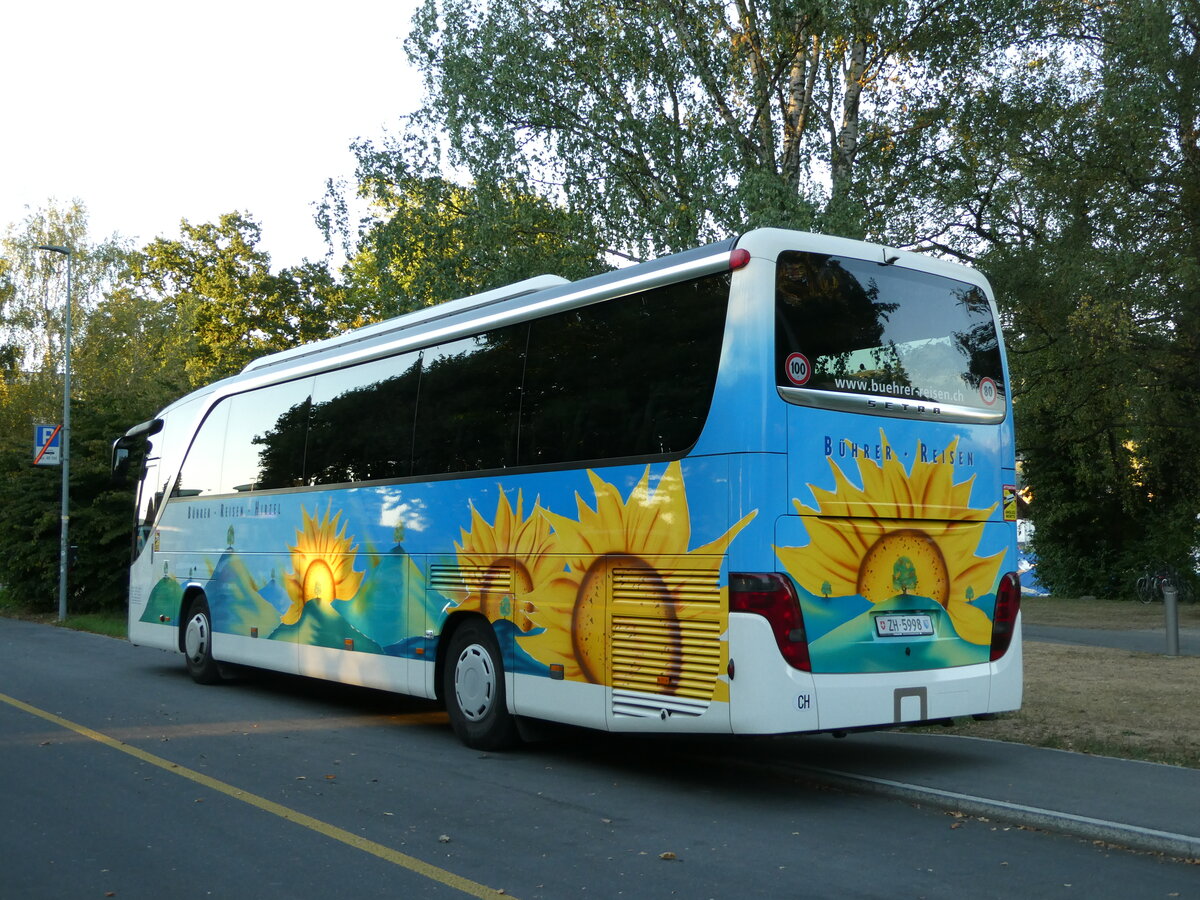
point(1148, 587)
point(1152, 585)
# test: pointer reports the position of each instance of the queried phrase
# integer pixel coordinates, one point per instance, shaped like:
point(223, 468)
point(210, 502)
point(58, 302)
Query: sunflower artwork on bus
point(759, 487)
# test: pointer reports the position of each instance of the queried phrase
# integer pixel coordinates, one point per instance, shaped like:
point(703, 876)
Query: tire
point(1145, 588)
point(197, 644)
point(473, 687)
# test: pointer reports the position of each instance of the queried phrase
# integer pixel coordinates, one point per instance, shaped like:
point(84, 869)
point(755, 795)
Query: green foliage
point(32, 316)
point(668, 125)
point(426, 239)
point(33, 292)
point(149, 326)
point(33, 285)
point(1057, 146)
point(636, 120)
point(223, 306)
point(904, 575)
point(98, 531)
point(1097, 254)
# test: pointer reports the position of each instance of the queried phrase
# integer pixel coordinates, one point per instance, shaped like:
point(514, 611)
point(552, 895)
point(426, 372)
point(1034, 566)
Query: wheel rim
point(474, 682)
point(196, 638)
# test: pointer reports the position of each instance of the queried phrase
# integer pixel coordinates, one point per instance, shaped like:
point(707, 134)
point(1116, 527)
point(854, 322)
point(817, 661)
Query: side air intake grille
point(476, 579)
point(666, 641)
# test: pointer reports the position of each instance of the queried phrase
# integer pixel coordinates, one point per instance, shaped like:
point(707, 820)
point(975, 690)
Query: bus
point(764, 486)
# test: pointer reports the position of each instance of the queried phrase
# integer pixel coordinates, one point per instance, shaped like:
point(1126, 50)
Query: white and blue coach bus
point(763, 486)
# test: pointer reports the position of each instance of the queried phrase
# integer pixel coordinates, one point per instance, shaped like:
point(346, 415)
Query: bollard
point(1171, 607)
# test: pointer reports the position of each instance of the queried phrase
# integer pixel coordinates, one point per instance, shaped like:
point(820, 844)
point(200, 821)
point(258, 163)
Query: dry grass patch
point(1097, 613)
point(1107, 702)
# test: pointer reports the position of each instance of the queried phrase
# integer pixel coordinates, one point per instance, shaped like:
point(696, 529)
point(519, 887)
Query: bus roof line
point(496, 295)
point(462, 317)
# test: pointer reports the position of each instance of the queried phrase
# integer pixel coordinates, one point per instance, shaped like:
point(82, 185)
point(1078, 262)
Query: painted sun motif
point(510, 541)
point(902, 532)
point(322, 565)
point(630, 534)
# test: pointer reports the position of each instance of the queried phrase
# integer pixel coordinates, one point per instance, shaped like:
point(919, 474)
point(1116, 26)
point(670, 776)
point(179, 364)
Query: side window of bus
point(468, 405)
point(267, 438)
point(362, 421)
point(201, 473)
point(629, 377)
point(250, 442)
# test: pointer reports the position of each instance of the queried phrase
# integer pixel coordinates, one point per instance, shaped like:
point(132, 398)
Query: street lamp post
point(66, 440)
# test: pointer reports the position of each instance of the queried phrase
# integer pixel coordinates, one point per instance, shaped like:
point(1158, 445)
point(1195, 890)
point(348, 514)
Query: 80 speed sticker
point(987, 391)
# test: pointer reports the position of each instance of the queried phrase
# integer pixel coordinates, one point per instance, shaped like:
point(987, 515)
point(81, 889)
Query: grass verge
point(1103, 701)
point(1110, 614)
point(110, 624)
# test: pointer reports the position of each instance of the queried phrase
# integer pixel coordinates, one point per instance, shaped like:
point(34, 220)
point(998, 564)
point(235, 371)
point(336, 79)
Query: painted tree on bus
point(904, 575)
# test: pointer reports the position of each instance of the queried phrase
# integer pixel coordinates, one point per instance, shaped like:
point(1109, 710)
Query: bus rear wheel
point(473, 687)
point(197, 644)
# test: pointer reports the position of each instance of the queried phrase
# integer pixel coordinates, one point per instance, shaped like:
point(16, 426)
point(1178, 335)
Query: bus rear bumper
point(767, 696)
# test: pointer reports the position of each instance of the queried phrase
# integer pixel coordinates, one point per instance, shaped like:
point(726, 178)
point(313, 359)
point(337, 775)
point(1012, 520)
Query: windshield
point(861, 336)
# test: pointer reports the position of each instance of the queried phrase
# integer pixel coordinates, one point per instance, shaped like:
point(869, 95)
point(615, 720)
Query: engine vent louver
point(665, 641)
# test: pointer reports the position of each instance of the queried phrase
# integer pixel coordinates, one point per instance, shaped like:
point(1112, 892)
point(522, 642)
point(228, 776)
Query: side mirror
point(120, 464)
point(122, 445)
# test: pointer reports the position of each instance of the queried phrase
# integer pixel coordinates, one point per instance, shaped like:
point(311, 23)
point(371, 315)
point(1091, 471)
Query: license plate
point(903, 625)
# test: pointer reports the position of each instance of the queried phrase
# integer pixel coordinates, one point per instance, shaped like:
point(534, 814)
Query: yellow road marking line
point(434, 873)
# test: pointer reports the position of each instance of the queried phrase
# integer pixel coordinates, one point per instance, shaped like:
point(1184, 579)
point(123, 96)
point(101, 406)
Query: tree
point(33, 293)
point(225, 305)
point(669, 124)
point(426, 239)
point(1054, 145)
point(148, 327)
point(1082, 208)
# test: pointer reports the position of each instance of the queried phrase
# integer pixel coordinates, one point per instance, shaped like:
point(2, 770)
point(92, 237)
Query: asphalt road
point(124, 779)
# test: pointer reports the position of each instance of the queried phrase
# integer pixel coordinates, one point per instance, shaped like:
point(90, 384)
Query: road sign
point(47, 445)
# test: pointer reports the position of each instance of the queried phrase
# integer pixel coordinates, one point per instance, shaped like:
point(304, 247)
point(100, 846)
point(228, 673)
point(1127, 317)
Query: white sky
point(151, 111)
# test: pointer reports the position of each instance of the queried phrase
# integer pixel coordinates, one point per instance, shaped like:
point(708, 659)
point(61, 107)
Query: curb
point(1123, 834)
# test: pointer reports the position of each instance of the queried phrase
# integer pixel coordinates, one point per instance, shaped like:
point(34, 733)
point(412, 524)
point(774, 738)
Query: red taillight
point(1004, 621)
point(739, 258)
point(771, 595)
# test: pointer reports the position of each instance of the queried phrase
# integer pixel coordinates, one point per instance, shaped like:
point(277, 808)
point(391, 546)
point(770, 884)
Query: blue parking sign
point(47, 445)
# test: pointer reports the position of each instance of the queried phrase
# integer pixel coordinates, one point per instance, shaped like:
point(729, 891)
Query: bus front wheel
point(197, 644)
point(473, 687)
